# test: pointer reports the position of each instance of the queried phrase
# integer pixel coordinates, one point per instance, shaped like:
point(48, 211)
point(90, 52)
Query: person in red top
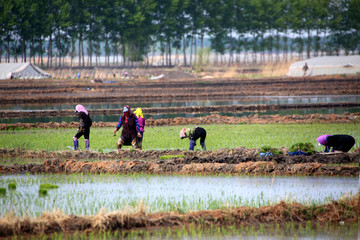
point(131, 128)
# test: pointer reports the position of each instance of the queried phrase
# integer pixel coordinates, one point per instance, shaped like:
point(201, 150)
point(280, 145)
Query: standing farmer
point(131, 128)
point(141, 119)
point(194, 134)
point(338, 143)
point(84, 128)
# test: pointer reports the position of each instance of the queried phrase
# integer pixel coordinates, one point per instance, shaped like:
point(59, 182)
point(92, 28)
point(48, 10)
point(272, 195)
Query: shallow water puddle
point(87, 194)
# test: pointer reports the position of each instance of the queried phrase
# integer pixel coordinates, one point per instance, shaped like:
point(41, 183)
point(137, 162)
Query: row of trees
point(128, 31)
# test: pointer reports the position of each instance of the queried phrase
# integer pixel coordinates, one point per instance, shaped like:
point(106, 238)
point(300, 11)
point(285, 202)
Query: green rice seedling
point(48, 186)
point(2, 192)
point(12, 186)
point(274, 151)
point(164, 157)
point(305, 147)
point(43, 192)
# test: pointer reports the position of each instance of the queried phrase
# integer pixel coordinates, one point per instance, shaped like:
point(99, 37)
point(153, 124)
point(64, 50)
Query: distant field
point(162, 138)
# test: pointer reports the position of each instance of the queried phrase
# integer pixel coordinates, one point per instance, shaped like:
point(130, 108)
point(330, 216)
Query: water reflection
point(248, 100)
point(87, 194)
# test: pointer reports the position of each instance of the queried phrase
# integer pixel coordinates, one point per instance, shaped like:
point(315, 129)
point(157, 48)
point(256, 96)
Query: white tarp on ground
point(21, 70)
point(329, 65)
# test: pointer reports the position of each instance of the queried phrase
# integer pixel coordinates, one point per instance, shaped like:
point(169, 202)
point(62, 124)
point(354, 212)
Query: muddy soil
point(135, 90)
point(232, 161)
point(210, 119)
point(345, 211)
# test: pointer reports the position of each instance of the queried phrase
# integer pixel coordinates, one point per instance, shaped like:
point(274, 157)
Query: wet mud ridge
point(211, 119)
point(166, 110)
point(237, 161)
point(345, 210)
point(70, 91)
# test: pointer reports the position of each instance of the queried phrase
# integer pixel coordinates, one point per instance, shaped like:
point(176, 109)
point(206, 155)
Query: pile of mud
point(236, 161)
point(345, 210)
point(210, 119)
point(173, 110)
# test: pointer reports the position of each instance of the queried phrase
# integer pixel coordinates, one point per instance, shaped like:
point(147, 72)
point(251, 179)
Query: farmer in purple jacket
point(131, 128)
point(140, 116)
point(338, 143)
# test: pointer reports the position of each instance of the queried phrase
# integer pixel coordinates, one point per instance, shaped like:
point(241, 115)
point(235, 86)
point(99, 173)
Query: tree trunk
point(184, 50)
point(308, 47)
point(80, 37)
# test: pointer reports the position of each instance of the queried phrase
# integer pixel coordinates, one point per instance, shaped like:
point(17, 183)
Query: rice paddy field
point(167, 137)
point(50, 191)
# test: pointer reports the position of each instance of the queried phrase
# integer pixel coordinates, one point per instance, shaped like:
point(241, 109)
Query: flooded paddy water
point(88, 194)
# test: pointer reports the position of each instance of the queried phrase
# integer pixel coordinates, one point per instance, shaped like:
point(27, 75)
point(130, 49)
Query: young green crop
point(167, 137)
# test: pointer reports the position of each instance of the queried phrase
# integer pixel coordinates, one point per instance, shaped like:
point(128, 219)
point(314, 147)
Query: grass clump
point(2, 192)
point(43, 192)
point(275, 151)
point(12, 186)
point(48, 186)
point(171, 156)
point(305, 147)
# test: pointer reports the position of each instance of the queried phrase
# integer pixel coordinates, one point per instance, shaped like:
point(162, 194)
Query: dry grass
point(346, 209)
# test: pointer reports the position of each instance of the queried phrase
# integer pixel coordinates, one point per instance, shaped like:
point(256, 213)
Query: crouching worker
point(84, 128)
point(194, 134)
point(139, 114)
point(338, 143)
point(131, 128)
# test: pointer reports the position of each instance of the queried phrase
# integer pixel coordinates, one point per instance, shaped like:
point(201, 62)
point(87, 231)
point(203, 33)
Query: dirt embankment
point(211, 119)
point(70, 91)
point(346, 210)
point(234, 161)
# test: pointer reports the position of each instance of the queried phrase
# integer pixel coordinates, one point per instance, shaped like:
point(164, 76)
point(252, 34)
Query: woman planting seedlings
point(131, 128)
point(140, 116)
point(338, 143)
point(194, 134)
point(84, 128)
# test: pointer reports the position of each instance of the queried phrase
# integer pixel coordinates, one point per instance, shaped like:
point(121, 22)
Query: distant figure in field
point(78, 75)
point(338, 143)
point(194, 134)
point(131, 128)
point(305, 69)
point(139, 114)
point(84, 128)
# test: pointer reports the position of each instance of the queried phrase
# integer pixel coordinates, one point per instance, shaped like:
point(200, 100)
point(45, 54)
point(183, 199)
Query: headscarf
point(182, 133)
point(138, 113)
point(127, 113)
point(81, 108)
point(322, 139)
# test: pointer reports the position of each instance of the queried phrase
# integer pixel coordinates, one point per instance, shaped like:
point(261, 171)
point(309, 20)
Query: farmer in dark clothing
point(194, 134)
point(131, 128)
point(84, 128)
point(338, 143)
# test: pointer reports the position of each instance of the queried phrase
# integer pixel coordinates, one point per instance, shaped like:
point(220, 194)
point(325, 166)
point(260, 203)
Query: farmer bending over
point(338, 143)
point(84, 128)
point(130, 130)
point(193, 135)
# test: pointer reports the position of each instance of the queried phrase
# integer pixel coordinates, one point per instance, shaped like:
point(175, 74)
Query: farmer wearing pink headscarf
point(84, 128)
point(338, 143)
point(194, 134)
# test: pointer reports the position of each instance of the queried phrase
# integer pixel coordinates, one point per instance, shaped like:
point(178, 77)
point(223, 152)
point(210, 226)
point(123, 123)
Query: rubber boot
point(119, 144)
point(192, 145)
point(133, 143)
point(203, 146)
point(76, 143)
point(87, 144)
